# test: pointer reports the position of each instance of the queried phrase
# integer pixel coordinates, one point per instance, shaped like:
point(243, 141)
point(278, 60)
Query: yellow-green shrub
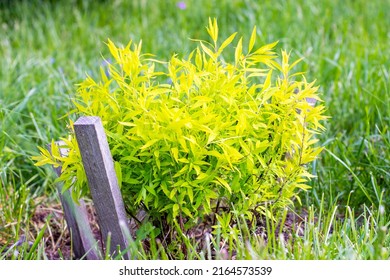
point(207, 132)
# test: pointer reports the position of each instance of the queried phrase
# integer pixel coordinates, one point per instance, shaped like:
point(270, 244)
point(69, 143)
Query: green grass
point(325, 234)
point(48, 46)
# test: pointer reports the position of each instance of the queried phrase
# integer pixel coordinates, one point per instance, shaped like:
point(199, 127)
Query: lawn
point(46, 47)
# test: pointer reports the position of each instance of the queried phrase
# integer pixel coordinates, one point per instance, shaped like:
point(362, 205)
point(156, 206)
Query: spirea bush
point(203, 135)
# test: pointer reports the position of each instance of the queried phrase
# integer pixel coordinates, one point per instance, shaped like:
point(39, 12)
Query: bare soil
point(58, 242)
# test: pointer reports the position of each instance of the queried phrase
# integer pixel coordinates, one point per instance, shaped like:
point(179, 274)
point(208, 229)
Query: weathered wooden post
point(76, 216)
point(102, 180)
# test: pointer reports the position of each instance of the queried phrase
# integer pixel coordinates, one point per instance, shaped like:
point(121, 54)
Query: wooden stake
point(76, 216)
point(102, 180)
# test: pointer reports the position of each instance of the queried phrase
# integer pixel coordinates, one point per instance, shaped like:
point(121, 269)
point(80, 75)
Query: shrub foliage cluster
point(202, 134)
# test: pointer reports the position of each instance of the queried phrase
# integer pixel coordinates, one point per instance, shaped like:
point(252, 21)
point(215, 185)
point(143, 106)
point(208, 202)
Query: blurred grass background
point(46, 47)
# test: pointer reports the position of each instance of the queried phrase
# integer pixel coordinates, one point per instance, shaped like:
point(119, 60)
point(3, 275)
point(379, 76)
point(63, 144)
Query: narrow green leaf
point(149, 143)
point(267, 82)
point(209, 52)
point(175, 153)
point(118, 171)
point(252, 40)
point(175, 210)
point(227, 42)
point(224, 184)
point(238, 52)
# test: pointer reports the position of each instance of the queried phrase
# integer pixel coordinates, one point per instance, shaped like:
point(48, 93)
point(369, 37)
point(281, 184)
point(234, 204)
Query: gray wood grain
point(102, 180)
point(76, 216)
